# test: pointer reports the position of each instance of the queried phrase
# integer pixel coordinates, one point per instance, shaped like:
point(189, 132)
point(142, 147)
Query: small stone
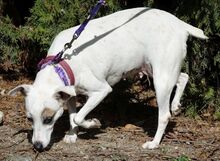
point(1, 117)
point(131, 127)
point(2, 92)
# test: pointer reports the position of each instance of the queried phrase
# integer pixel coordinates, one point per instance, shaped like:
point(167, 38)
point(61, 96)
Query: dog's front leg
point(95, 97)
point(71, 136)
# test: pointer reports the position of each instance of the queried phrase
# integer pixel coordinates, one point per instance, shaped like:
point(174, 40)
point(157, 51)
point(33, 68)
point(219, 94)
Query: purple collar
point(62, 74)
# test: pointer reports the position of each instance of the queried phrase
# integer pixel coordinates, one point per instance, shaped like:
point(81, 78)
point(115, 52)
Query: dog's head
point(43, 108)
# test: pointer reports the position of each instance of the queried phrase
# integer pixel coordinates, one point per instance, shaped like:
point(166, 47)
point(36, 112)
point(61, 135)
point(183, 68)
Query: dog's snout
point(38, 146)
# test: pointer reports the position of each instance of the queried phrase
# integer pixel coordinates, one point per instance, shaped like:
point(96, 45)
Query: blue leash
point(77, 33)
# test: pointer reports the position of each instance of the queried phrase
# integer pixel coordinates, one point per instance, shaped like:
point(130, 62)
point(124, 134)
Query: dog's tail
point(196, 32)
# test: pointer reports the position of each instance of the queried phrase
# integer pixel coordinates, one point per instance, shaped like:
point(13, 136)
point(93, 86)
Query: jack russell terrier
point(110, 47)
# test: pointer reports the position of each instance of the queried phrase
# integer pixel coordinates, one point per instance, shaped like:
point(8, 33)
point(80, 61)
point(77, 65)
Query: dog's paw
point(88, 124)
point(177, 112)
point(176, 109)
point(150, 145)
point(94, 123)
point(70, 138)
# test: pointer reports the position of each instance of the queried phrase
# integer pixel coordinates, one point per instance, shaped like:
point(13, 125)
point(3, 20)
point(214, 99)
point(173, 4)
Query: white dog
point(110, 47)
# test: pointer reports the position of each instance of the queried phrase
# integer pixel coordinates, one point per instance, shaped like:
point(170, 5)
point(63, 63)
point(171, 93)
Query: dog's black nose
point(38, 146)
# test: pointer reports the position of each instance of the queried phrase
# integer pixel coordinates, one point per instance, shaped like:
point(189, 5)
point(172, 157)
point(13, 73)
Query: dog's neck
point(47, 78)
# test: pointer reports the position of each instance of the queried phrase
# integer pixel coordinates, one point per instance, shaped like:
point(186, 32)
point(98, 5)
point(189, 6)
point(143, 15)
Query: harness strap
point(49, 61)
point(69, 71)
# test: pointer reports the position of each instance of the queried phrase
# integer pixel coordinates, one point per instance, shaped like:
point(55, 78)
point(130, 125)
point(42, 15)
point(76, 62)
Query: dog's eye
point(48, 120)
point(30, 119)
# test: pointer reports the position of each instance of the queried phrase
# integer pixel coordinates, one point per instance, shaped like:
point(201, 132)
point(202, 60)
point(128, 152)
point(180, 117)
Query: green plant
point(182, 158)
point(9, 44)
point(203, 57)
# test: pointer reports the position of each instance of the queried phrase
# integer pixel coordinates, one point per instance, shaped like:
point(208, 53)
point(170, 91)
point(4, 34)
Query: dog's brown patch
point(47, 113)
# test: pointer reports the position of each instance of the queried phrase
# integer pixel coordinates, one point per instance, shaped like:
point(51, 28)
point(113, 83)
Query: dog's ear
point(65, 93)
point(24, 89)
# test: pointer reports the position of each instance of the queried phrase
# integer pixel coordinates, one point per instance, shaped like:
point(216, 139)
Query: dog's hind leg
point(71, 136)
point(164, 81)
point(180, 86)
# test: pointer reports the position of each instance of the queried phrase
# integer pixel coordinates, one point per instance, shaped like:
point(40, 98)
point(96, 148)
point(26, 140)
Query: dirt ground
point(123, 132)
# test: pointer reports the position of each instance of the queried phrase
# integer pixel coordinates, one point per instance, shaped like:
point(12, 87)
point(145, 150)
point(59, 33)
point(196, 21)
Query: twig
point(23, 150)
point(179, 140)
point(213, 151)
point(37, 154)
point(14, 144)
point(21, 131)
